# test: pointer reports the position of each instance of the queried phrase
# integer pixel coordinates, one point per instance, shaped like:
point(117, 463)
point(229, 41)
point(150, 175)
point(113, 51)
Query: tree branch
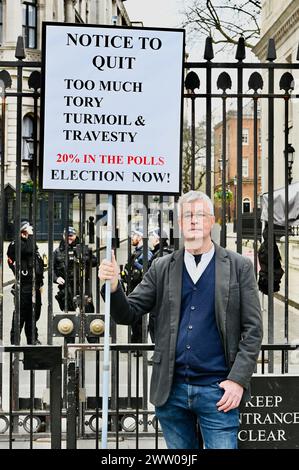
point(225, 21)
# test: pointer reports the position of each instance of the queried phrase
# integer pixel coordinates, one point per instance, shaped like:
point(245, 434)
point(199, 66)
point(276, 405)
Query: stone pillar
point(69, 11)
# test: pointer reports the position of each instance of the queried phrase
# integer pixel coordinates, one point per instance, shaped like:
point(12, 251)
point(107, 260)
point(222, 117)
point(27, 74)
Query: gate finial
point(209, 53)
point(240, 53)
point(20, 50)
point(271, 54)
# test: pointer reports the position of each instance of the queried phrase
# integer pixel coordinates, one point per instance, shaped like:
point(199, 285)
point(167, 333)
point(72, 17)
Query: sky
point(156, 13)
point(169, 14)
point(164, 14)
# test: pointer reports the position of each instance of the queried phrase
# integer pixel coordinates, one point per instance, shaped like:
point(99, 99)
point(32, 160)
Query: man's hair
point(192, 196)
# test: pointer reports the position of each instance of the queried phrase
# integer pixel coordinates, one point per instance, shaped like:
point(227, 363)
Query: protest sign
point(112, 109)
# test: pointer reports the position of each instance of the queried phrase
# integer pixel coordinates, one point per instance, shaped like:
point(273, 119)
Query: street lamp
point(291, 156)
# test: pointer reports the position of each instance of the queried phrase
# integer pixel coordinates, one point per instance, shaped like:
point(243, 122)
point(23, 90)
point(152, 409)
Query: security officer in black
point(278, 272)
point(157, 242)
point(132, 275)
point(28, 263)
point(160, 248)
point(71, 271)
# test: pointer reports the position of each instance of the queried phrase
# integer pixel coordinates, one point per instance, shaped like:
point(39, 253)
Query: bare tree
point(225, 20)
point(188, 157)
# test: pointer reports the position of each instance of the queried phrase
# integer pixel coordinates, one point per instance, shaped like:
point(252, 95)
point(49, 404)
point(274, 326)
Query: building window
point(246, 204)
point(259, 164)
point(217, 146)
point(1, 22)
point(27, 134)
point(58, 210)
point(29, 23)
point(245, 168)
point(10, 209)
point(259, 135)
point(245, 136)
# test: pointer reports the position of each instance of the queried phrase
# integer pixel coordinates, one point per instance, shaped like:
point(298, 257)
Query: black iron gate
point(239, 83)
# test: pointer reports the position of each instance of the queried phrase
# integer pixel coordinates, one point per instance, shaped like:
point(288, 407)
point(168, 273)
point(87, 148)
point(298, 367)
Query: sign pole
point(106, 363)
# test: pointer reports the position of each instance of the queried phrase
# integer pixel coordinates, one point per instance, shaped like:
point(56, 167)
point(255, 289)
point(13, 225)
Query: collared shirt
point(194, 271)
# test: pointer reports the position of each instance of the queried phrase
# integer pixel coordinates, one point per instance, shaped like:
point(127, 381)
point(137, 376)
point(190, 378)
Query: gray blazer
point(237, 309)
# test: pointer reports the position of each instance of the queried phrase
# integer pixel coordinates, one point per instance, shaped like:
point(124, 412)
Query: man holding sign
point(208, 330)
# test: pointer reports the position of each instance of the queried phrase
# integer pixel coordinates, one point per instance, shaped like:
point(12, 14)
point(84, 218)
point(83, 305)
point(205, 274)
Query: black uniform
point(74, 270)
point(278, 272)
point(26, 280)
point(90, 225)
point(131, 277)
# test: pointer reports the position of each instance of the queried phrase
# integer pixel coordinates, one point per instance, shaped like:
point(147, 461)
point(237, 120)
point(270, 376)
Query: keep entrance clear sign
point(270, 420)
point(112, 109)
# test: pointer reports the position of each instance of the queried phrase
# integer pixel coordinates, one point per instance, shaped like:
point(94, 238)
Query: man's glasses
point(196, 215)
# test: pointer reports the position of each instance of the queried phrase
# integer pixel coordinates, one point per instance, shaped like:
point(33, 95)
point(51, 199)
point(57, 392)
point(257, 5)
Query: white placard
point(112, 109)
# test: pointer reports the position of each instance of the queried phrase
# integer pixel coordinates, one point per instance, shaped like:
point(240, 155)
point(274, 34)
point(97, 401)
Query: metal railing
point(129, 414)
point(205, 79)
point(283, 360)
point(141, 420)
point(34, 358)
point(130, 417)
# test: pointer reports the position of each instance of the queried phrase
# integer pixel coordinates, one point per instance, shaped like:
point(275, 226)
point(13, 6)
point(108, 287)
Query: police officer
point(132, 276)
point(278, 272)
point(90, 228)
point(158, 241)
point(71, 271)
point(30, 260)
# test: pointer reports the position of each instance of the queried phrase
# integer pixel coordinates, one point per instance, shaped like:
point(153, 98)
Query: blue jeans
point(188, 405)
